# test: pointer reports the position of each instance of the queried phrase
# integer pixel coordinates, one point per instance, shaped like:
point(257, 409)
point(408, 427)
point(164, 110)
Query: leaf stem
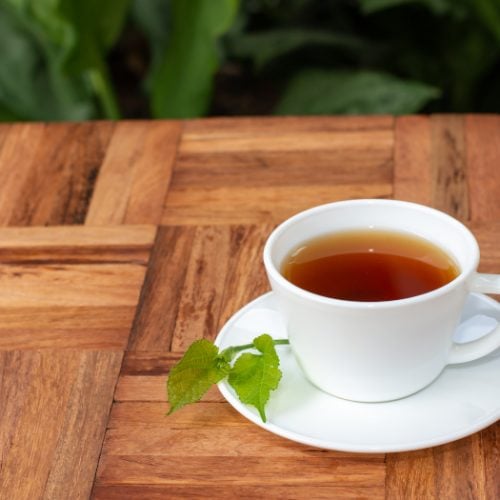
point(229, 352)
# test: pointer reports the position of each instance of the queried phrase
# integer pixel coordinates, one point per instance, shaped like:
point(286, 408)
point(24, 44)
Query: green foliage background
point(282, 56)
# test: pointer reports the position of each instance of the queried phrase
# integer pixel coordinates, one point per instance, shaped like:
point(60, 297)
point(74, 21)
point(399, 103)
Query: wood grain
point(430, 163)
point(246, 278)
point(60, 285)
point(449, 165)
point(334, 476)
point(135, 174)
point(216, 270)
point(228, 491)
point(71, 286)
point(54, 410)
point(434, 473)
point(483, 153)
point(159, 302)
point(412, 160)
point(258, 205)
point(253, 171)
point(47, 172)
point(219, 433)
point(76, 244)
point(200, 300)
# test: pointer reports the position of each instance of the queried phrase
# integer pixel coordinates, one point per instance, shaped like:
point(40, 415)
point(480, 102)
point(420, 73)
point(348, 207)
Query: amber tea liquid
point(369, 265)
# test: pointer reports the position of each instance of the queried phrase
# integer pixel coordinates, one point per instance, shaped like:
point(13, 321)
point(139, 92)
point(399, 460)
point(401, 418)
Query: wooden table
point(121, 243)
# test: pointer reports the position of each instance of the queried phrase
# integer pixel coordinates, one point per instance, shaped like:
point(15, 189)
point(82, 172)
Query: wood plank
point(430, 163)
point(76, 244)
point(338, 475)
point(228, 491)
point(224, 127)
point(105, 316)
point(54, 410)
point(60, 285)
point(149, 362)
point(159, 302)
point(196, 279)
point(81, 337)
point(256, 170)
point(152, 414)
point(412, 160)
point(246, 277)
point(48, 171)
point(286, 142)
point(483, 157)
point(215, 441)
point(201, 298)
point(257, 205)
point(449, 162)
point(220, 168)
point(61, 305)
point(135, 174)
point(488, 237)
point(455, 470)
point(17, 158)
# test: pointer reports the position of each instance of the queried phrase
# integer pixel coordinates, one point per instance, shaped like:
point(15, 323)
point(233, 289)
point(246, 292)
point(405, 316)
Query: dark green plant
point(57, 57)
point(53, 58)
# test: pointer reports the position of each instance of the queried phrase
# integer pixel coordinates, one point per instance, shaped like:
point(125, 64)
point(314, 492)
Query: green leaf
point(319, 91)
point(265, 46)
point(200, 368)
point(435, 6)
point(254, 376)
point(489, 13)
point(152, 18)
point(182, 83)
point(53, 57)
point(97, 25)
point(33, 83)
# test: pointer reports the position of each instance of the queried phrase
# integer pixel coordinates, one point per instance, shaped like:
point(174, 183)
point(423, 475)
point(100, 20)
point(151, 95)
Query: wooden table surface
point(121, 243)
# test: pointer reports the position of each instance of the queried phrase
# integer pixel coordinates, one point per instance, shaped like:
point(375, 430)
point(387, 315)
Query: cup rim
point(275, 274)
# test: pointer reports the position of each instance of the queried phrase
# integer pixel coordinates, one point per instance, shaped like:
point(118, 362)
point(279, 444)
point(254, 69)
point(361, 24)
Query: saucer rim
point(254, 417)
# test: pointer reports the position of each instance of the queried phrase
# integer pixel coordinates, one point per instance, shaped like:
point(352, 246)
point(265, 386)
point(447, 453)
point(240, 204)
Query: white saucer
point(463, 400)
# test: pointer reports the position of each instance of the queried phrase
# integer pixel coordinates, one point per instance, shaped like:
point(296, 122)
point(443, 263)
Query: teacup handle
point(462, 353)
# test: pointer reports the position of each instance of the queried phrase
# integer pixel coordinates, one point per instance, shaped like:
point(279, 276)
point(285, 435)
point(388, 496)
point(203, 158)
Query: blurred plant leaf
point(152, 18)
point(318, 91)
point(263, 47)
point(182, 83)
point(53, 57)
point(33, 85)
point(488, 11)
point(436, 6)
point(97, 25)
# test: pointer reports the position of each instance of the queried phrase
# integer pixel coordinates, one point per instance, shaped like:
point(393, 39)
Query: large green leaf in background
point(319, 91)
point(97, 25)
point(182, 83)
point(437, 6)
point(264, 47)
point(52, 58)
point(32, 85)
point(152, 17)
point(488, 11)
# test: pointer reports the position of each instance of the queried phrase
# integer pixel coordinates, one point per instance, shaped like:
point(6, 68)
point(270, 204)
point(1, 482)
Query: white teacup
point(378, 351)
